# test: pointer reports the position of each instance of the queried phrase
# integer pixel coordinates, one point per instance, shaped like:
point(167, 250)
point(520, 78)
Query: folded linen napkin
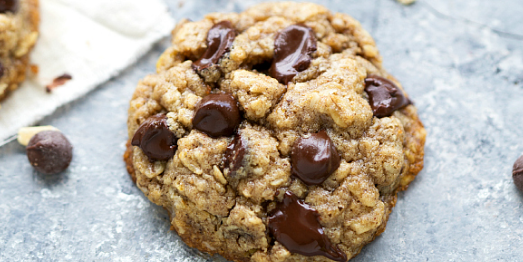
point(90, 40)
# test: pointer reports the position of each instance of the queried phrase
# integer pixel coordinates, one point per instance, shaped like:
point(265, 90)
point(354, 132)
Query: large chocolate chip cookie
point(274, 135)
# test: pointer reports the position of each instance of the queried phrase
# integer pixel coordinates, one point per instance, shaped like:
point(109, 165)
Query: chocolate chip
point(314, 158)
point(295, 225)
point(2, 70)
point(385, 97)
point(8, 6)
point(155, 138)
point(235, 154)
point(49, 152)
point(293, 47)
point(217, 115)
point(219, 42)
point(517, 173)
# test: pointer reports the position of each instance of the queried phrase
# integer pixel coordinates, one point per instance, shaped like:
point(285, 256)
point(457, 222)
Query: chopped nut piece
point(61, 80)
point(26, 133)
point(406, 2)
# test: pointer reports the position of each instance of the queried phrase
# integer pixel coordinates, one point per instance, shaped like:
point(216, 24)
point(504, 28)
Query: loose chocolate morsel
point(8, 6)
point(49, 152)
point(234, 154)
point(517, 173)
point(219, 42)
point(292, 52)
point(155, 138)
point(314, 158)
point(385, 97)
point(217, 115)
point(295, 225)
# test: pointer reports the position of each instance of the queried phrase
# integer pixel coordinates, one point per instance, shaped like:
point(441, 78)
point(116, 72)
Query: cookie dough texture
point(219, 213)
point(18, 34)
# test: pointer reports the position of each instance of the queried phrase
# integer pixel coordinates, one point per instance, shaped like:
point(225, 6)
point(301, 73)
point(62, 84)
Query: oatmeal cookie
point(274, 134)
point(19, 21)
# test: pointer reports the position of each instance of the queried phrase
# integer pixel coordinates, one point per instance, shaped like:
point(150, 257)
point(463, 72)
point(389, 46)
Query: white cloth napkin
point(90, 40)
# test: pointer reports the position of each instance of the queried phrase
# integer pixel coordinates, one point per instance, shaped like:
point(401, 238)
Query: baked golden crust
point(219, 214)
point(18, 34)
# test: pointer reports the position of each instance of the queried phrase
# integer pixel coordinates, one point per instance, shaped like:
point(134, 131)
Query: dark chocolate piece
point(219, 42)
point(234, 154)
point(2, 70)
point(384, 96)
point(217, 115)
point(293, 47)
point(58, 81)
point(155, 138)
point(314, 158)
point(8, 6)
point(296, 226)
point(49, 152)
point(517, 173)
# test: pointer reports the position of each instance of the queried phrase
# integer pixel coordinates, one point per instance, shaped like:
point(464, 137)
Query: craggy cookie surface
point(274, 135)
point(19, 21)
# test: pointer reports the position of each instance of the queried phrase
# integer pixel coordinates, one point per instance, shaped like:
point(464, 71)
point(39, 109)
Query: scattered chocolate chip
point(58, 82)
point(314, 158)
point(385, 97)
point(234, 154)
point(2, 70)
point(8, 6)
point(155, 138)
point(217, 115)
point(293, 47)
point(219, 42)
point(49, 152)
point(517, 173)
point(296, 226)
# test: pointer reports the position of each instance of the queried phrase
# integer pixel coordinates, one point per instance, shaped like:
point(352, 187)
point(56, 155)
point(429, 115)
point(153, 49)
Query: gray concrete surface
point(461, 62)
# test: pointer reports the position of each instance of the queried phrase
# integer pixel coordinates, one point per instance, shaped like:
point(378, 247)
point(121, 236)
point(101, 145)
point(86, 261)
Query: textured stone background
point(461, 62)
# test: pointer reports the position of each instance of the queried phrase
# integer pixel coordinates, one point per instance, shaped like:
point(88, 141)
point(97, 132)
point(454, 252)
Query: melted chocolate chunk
point(155, 138)
point(263, 67)
point(49, 152)
point(219, 42)
point(314, 158)
point(292, 52)
point(517, 173)
point(385, 97)
point(234, 154)
point(295, 225)
point(8, 6)
point(217, 115)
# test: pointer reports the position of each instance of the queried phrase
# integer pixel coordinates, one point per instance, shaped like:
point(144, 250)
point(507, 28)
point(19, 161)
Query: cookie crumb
point(34, 69)
point(58, 81)
point(406, 2)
